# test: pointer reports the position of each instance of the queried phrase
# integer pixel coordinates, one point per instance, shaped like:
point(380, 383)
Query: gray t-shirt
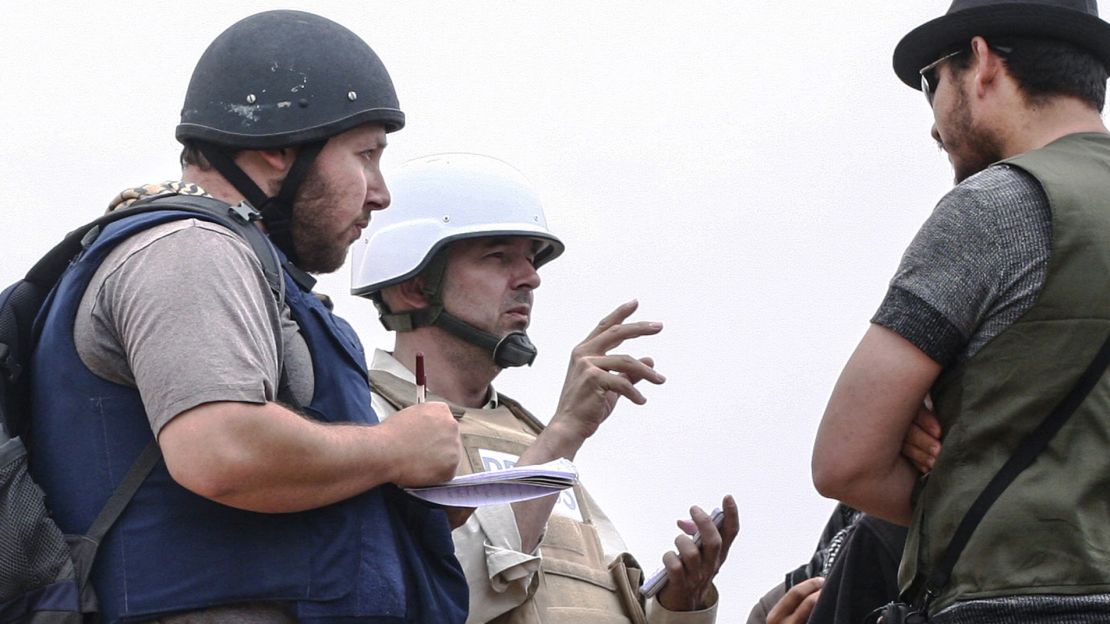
point(183, 313)
point(977, 264)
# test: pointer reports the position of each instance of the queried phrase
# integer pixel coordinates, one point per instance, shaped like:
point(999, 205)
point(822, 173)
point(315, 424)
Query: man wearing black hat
point(999, 306)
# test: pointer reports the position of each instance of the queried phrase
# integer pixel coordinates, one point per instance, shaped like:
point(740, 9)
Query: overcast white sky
point(750, 171)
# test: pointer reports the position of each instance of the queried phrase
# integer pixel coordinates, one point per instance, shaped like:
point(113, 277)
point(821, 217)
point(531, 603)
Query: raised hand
point(596, 379)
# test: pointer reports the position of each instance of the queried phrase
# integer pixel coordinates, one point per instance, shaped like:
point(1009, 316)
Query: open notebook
point(498, 487)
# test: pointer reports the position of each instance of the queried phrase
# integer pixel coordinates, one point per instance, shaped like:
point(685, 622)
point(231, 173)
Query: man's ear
point(987, 65)
point(280, 160)
point(268, 167)
point(408, 295)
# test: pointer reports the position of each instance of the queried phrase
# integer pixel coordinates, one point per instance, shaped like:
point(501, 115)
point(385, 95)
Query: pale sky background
point(750, 171)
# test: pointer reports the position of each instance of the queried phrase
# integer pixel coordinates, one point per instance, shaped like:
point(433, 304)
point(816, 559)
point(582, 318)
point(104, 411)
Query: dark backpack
point(43, 573)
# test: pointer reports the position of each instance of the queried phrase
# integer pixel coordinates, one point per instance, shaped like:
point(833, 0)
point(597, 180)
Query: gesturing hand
point(596, 379)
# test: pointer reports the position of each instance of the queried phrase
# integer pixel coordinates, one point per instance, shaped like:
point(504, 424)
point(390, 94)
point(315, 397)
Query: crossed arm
point(881, 393)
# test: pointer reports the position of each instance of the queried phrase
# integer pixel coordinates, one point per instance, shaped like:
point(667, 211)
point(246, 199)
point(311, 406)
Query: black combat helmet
point(283, 79)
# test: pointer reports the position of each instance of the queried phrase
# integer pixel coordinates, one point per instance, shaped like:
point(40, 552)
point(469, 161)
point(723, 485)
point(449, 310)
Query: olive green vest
point(1049, 532)
point(575, 584)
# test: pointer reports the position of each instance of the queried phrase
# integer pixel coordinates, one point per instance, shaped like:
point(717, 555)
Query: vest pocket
point(593, 595)
point(575, 585)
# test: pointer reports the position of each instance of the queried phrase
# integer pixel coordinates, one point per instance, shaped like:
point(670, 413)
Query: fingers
point(692, 566)
point(922, 458)
point(702, 561)
point(611, 373)
point(687, 526)
point(616, 317)
point(614, 336)
point(429, 435)
point(796, 606)
point(612, 331)
point(928, 422)
point(730, 527)
point(632, 368)
point(922, 442)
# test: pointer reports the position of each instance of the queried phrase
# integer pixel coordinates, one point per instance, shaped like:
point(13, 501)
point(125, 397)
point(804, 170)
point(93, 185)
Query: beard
point(319, 247)
point(972, 148)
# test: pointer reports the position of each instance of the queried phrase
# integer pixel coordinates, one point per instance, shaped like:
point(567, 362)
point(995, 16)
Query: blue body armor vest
point(377, 557)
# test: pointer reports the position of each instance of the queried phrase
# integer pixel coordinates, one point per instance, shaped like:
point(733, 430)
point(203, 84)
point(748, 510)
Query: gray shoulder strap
point(239, 218)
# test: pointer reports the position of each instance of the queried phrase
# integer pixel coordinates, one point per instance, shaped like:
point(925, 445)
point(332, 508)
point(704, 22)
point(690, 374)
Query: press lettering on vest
point(497, 460)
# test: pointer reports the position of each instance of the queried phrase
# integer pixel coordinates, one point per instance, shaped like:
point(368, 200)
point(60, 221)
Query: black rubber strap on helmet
point(225, 164)
point(513, 349)
point(277, 211)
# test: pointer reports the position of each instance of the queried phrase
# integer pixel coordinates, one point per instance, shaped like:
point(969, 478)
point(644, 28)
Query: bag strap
point(238, 218)
point(84, 549)
point(1031, 446)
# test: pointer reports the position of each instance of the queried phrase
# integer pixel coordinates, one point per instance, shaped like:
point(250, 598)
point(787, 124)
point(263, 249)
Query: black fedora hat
point(1074, 21)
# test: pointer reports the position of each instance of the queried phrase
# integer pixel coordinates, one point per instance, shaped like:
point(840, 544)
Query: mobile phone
point(656, 581)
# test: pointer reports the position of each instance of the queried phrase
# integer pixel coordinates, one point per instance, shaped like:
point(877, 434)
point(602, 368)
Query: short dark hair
point(1046, 68)
point(191, 154)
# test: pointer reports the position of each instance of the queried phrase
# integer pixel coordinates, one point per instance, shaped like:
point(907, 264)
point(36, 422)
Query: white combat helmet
point(442, 198)
point(439, 199)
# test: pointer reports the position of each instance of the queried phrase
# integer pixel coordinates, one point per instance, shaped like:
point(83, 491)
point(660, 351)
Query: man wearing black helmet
point(993, 319)
point(277, 500)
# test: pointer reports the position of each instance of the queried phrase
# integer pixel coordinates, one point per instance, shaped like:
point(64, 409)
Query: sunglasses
point(930, 79)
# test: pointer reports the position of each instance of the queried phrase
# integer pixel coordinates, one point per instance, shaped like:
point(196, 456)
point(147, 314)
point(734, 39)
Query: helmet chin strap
point(277, 211)
point(512, 349)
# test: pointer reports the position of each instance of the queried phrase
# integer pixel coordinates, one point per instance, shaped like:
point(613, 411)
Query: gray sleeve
point(976, 265)
point(185, 315)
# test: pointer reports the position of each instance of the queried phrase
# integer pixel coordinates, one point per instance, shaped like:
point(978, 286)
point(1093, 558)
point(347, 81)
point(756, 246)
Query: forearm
point(857, 456)
point(531, 516)
point(883, 492)
point(267, 458)
point(861, 468)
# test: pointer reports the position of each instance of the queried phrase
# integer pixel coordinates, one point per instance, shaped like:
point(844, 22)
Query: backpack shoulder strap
point(239, 218)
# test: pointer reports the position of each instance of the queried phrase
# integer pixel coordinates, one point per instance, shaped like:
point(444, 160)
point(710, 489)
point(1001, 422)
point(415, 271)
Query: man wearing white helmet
point(452, 267)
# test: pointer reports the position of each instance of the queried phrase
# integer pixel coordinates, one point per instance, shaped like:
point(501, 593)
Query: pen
point(421, 381)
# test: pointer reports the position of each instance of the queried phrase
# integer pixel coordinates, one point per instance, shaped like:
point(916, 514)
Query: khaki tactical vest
point(575, 585)
point(1049, 532)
